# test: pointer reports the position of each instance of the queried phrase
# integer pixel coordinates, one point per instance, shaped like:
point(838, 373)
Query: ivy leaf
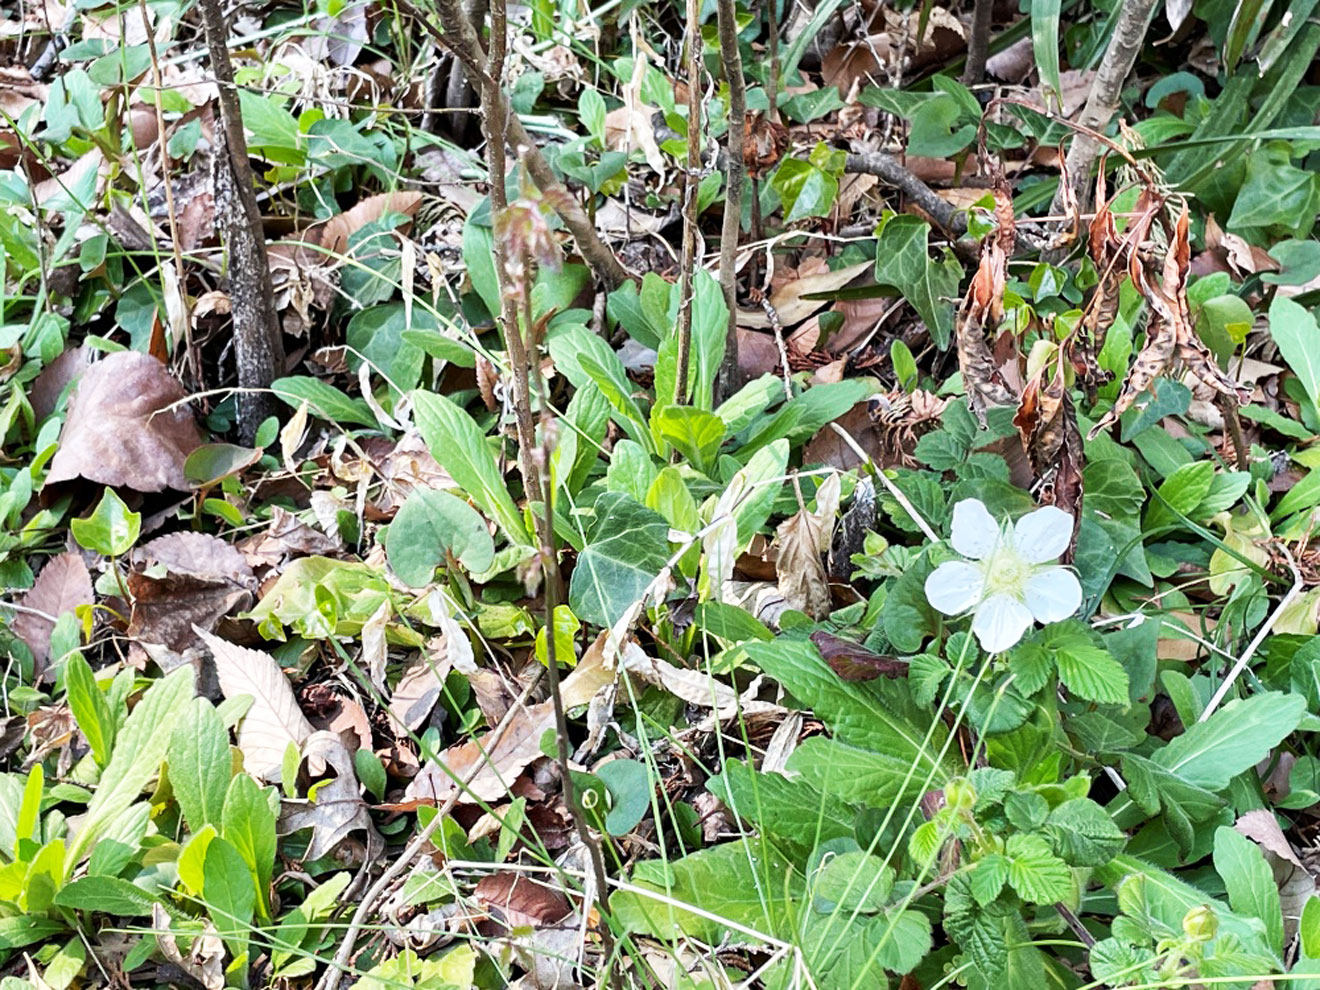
point(111, 530)
point(627, 551)
point(903, 261)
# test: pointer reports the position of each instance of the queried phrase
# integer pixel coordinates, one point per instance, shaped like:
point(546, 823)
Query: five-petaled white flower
point(1008, 581)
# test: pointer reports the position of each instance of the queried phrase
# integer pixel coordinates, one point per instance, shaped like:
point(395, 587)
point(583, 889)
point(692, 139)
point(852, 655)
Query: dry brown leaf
point(129, 426)
point(521, 902)
point(1295, 882)
point(803, 538)
point(492, 764)
point(418, 690)
point(696, 687)
point(375, 651)
point(184, 580)
point(62, 586)
point(274, 720)
point(788, 300)
point(337, 809)
point(55, 377)
point(205, 962)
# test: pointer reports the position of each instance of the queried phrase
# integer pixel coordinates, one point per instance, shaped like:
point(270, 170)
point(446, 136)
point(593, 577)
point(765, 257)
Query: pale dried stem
point(692, 182)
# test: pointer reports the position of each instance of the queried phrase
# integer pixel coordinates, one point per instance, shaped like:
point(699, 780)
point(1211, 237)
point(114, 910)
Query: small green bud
point(1200, 923)
point(959, 795)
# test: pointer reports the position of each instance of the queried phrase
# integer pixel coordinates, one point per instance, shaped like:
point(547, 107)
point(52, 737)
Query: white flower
point(1008, 581)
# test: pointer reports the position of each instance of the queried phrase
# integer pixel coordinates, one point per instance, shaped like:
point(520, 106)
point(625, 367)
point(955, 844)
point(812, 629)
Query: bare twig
point(887, 169)
point(691, 183)
point(978, 44)
point(258, 349)
point(460, 37)
point(1103, 100)
point(734, 169)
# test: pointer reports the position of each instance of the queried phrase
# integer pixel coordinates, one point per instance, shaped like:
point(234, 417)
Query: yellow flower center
point(1006, 573)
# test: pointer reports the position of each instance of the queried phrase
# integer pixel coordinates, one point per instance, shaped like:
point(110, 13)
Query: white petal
point(1000, 622)
point(975, 532)
point(1053, 594)
point(954, 587)
point(1043, 535)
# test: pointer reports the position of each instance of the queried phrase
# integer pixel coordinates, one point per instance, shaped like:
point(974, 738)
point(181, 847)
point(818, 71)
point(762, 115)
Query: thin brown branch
point(460, 37)
point(258, 349)
point(978, 43)
point(691, 183)
point(734, 174)
point(887, 169)
point(1106, 91)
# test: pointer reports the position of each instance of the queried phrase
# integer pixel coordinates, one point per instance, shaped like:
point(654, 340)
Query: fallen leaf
point(182, 581)
point(854, 662)
point(418, 690)
point(790, 303)
point(274, 720)
point(521, 902)
point(492, 764)
point(335, 809)
point(803, 537)
point(62, 586)
point(205, 961)
point(1295, 882)
point(55, 377)
point(129, 426)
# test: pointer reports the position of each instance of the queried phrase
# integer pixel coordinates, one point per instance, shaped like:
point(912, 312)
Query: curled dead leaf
point(62, 586)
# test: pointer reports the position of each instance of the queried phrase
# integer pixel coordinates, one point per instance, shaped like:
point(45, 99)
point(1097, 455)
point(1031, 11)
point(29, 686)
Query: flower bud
point(959, 794)
point(1200, 923)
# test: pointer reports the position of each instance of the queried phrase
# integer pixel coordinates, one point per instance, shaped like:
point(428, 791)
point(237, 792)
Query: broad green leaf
point(694, 433)
point(1091, 673)
point(1180, 493)
point(377, 334)
point(1297, 336)
point(429, 526)
point(1249, 880)
point(200, 764)
point(806, 191)
point(630, 788)
point(324, 401)
point(300, 927)
point(903, 261)
point(111, 529)
point(460, 447)
point(1239, 735)
point(213, 462)
point(1276, 193)
point(271, 131)
point(140, 749)
point(758, 485)
point(1083, 833)
point(788, 808)
point(108, 895)
point(744, 881)
point(628, 549)
point(229, 895)
point(585, 359)
point(1035, 872)
point(90, 708)
point(1045, 44)
point(248, 822)
point(852, 882)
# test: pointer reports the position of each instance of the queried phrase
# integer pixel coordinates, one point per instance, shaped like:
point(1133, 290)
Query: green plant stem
point(734, 176)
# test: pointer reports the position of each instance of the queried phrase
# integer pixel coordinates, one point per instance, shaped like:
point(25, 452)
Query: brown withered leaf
point(184, 580)
point(521, 902)
point(803, 538)
point(419, 689)
point(337, 809)
point(982, 310)
point(274, 720)
point(492, 764)
point(1170, 330)
point(48, 386)
point(854, 662)
point(1047, 424)
point(62, 586)
point(129, 426)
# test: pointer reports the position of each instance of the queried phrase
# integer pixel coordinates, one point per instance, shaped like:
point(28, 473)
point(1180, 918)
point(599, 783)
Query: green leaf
point(1045, 44)
point(1239, 735)
point(1091, 673)
point(935, 131)
point(248, 823)
point(852, 882)
point(430, 525)
point(1298, 338)
point(1035, 872)
point(460, 447)
point(111, 529)
point(299, 929)
point(139, 750)
point(1180, 493)
point(880, 733)
point(788, 808)
point(1083, 833)
point(628, 549)
point(228, 892)
point(988, 877)
point(213, 462)
point(479, 262)
point(1249, 881)
point(1276, 193)
point(108, 895)
point(90, 708)
point(744, 881)
point(585, 359)
point(806, 191)
point(759, 483)
point(271, 131)
point(907, 614)
point(694, 433)
point(377, 334)
point(200, 764)
point(903, 261)
point(630, 788)
point(323, 400)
